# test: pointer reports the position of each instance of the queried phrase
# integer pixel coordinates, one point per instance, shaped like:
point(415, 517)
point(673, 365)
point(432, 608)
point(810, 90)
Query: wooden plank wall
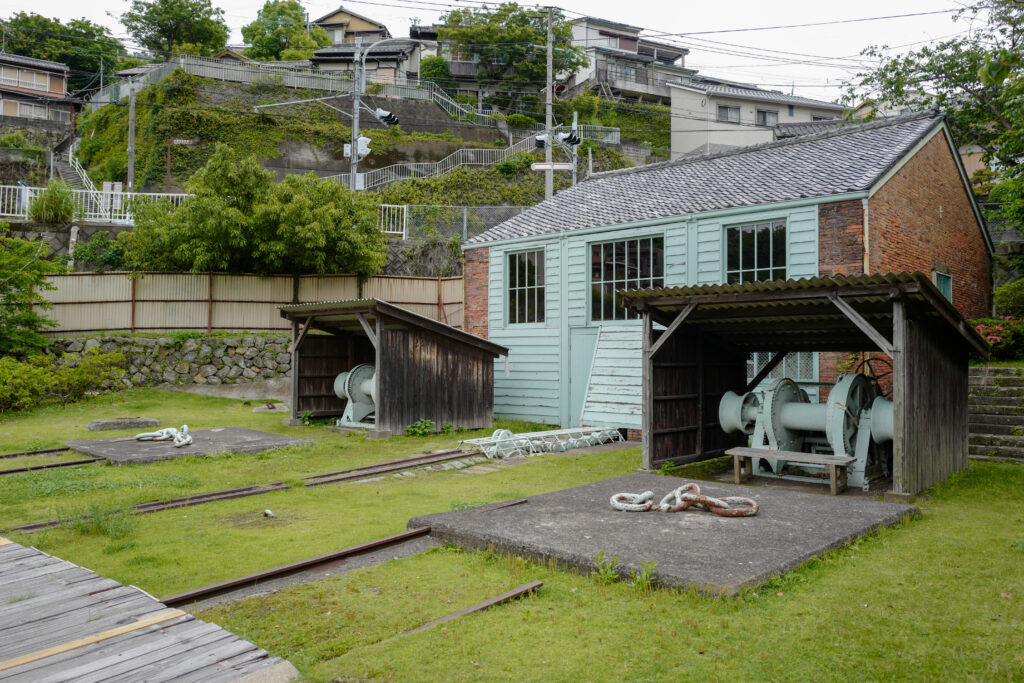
point(321, 358)
point(688, 377)
point(422, 375)
point(934, 408)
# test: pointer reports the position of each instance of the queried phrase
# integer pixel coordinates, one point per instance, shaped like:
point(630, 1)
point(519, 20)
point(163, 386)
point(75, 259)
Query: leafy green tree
point(279, 32)
point(240, 221)
point(436, 69)
point(510, 42)
point(976, 79)
point(170, 26)
point(81, 44)
point(23, 275)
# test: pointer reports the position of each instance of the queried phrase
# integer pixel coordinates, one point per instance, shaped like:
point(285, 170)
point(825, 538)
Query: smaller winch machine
point(856, 421)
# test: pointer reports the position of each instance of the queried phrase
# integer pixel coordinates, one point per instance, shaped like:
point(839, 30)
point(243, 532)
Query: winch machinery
point(856, 421)
point(359, 387)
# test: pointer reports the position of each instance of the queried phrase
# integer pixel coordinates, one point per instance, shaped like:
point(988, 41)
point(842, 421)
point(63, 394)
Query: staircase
point(996, 413)
point(68, 174)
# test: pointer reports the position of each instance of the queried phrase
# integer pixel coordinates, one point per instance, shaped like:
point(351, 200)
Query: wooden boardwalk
point(60, 622)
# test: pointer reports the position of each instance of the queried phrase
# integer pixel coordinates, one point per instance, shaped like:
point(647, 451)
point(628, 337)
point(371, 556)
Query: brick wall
point(841, 238)
point(922, 220)
point(476, 278)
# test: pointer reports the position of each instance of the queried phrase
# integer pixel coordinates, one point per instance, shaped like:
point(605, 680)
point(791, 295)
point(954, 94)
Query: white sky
point(839, 44)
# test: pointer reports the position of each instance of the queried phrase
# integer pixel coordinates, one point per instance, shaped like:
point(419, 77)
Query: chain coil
point(686, 496)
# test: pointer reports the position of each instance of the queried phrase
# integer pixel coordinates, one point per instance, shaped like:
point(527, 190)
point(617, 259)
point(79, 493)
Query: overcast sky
point(827, 54)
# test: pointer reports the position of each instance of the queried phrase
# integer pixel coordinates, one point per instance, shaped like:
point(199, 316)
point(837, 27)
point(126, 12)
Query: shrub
point(43, 379)
point(520, 121)
point(22, 385)
point(1009, 299)
point(421, 427)
point(24, 272)
point(100, 251)
point(1006, 335)
point(55, 205)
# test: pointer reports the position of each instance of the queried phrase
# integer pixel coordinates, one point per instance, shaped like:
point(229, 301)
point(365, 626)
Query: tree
point(23, 275)
point(436, 69)
point(279, 32)
point(81, 44)
point(170, 26)
point(510, 42)
point(977, 80)
point(240, 221)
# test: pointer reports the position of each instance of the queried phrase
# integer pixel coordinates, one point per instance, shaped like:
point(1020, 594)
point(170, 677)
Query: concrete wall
point(59, 236)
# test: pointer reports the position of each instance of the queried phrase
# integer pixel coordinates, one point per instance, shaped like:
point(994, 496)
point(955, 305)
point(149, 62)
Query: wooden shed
point(711, 330)
point(424, 369)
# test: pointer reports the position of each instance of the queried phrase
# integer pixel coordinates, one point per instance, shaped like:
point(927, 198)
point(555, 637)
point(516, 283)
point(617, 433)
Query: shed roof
point(343, 316)
point(834, 162)
point(787, 315)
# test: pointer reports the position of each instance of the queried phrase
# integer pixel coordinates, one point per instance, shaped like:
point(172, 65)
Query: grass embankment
point(175, 550)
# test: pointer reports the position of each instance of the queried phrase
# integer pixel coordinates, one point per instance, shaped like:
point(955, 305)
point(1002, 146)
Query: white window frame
point(728, 108)
point(742, 270)
point(535, 292)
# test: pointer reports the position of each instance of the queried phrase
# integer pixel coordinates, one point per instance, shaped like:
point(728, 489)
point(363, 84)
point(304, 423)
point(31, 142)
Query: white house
point(711, 114)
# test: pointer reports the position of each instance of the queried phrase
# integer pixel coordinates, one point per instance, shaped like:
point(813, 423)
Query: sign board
point(181, 141)
point(551, 167)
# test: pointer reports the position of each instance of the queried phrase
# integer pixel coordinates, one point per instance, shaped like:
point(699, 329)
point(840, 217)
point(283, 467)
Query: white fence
point(154, 302)
point(413, 221)
point(90, 205)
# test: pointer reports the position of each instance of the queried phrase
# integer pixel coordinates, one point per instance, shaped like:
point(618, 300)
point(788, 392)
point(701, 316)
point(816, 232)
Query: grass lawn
point(936, 598)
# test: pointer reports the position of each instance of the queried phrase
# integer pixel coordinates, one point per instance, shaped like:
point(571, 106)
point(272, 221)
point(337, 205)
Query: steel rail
point(232, 585)
point(69, 463)
point(41, 451)
point(388, 468)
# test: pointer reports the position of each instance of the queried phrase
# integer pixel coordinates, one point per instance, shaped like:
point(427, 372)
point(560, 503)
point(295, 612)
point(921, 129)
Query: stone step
point(995, 410)
point(996, 452)
point(999, 399)
point(974, 428)
point(1003, 440)
point(996, 381)
point(994, 370)
point(982, 419)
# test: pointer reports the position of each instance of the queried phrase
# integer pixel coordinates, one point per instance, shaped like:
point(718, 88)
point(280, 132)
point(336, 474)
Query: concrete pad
point(123, 450)
point(692, 548)
point(113, 423)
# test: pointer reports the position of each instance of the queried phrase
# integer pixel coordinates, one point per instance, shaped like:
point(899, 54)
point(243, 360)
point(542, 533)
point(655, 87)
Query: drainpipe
point(867, 232)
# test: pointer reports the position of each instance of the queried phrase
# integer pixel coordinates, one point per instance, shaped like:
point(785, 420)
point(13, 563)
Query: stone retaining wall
point(199, 360)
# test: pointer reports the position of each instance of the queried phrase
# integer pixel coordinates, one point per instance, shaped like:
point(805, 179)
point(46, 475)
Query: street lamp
point(358, 66)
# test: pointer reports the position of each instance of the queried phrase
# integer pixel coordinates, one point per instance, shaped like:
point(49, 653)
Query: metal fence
point(90, 205)
point(418, 221)
point(154, 302)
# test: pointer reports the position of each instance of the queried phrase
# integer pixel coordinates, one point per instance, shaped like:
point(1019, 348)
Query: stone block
point(181, 368)
point(75, 346)
point(249, 373)
point(284, 358)
point(207, 371)
point(170, 376)
point(91, 344)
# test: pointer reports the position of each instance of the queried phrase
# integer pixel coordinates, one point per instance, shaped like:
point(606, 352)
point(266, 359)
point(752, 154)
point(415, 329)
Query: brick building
point(881, 197)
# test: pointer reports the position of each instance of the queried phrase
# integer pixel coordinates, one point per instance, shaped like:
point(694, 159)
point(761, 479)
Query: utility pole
point(357, 86)
point(549, 175)
point(131, 136)
point(575, 149)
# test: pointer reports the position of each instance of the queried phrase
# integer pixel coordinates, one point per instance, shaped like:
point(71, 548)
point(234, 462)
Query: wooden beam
point(367, 329)
point(680, 319)
point(863, 325)
point(759, 377)
point(778, 295)
point(303, 331)
point(959, 325)
point(646, 393)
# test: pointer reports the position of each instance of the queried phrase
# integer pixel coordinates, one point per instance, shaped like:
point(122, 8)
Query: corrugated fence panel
point(103, 302)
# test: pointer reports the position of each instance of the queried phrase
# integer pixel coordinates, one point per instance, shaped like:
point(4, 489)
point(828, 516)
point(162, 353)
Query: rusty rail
point(41, 451)
point(386, 467)
point(497, 600)
point(233, 585)
point(69, 463)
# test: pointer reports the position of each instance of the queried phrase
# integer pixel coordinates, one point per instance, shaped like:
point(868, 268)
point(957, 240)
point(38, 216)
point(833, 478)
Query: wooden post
point(700, 393)
point(900, 454)
point(295, 369)
point(647, 391)
point(209, 309)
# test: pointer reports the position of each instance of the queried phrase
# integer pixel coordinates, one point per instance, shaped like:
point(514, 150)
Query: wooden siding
point(426, 376)
point(320, 358)
point(536, 386)
point(613, 394)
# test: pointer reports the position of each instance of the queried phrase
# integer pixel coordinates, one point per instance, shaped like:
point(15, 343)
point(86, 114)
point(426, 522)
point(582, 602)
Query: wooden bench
point(745, 457)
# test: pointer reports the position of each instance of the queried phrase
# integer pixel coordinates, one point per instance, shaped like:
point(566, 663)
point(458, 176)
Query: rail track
point(351, 474)
point(41, 451)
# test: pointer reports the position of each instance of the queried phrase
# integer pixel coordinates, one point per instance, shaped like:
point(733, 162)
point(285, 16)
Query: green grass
point(923, 601)
point(1018, 363)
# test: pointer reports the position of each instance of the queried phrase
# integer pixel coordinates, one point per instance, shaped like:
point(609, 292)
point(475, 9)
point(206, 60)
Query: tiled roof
point(32, 62)
point(791, 130)
point(752, 93)
point(347, 50)
point(847, 159)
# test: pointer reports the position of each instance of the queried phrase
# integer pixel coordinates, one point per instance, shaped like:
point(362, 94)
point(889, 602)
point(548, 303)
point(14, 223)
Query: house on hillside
point(711, 114)
point(388, 63)
point(35, 89)
point(345, 26)
point(881, 197)
point(623, 64)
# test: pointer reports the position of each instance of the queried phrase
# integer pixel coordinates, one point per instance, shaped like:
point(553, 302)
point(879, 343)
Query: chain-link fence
point(424, 221)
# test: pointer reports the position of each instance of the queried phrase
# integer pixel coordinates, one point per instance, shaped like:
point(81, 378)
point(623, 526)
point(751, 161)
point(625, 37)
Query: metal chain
point(686, 496)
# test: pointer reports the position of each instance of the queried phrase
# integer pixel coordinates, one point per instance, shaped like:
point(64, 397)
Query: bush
point(24, 272)
point(100, 252)
point(1006, 335)
point(520, 121)
point(43, 379)
point(55, 205)
point(1009, 299)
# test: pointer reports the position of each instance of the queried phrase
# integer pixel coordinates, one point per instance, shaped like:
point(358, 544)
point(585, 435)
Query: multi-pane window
point(756, 251)
point(729, 114)
point(767, 117)
point(630, 264)
point(944, 283)
point(526, 287)
point(31, 111)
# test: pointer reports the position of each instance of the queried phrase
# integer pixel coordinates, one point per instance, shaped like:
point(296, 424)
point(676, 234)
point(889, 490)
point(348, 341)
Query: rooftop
point(33, 63)
point(846, 159)
point(739, 91)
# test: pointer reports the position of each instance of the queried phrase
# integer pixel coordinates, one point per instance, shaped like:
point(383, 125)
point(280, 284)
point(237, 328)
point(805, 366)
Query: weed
point(1017, 431)
point(447, 428)
point(181, 336)
point(100, 522)
point(667, 469)
point(463, 505)
point(421, 427)
point(307, 417)
point(119, 546)
point(606, 569)
point(643, 580)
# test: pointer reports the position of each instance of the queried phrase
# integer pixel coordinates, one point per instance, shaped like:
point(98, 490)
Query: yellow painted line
point(5, 541)
point(81, 642)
